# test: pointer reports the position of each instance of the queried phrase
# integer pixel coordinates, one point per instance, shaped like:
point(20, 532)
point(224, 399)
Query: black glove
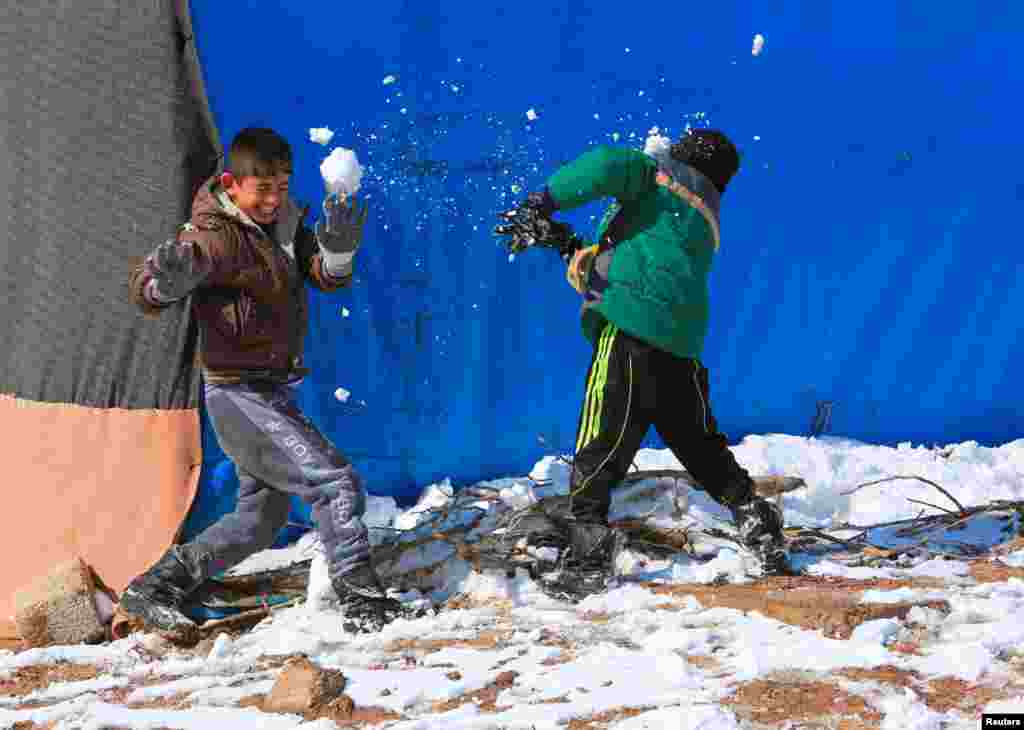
point(529, 224)
point(177, 270)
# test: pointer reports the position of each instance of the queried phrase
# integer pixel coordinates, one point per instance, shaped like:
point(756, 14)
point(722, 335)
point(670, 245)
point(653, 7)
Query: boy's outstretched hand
point(340, 230)
point(529, 224)
point(177, 270)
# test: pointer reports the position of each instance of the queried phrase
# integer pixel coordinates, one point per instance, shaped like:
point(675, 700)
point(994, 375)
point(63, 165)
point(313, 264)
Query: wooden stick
point(934, 506)
point(909, 476)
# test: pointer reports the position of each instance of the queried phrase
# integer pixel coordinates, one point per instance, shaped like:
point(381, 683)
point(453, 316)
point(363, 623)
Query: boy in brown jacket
point(245, 258)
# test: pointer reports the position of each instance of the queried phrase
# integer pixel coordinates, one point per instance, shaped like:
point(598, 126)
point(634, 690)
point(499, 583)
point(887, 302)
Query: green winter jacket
point(656, 245)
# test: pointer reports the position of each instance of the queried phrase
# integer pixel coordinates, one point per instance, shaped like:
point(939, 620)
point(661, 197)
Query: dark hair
point(710, 152)
point(259, 152)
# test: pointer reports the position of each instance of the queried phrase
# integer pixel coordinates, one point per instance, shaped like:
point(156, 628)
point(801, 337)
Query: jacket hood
point(692, 186)
point(213, 200)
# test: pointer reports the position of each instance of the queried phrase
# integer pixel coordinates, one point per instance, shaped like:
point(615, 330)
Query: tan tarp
point(108, 484)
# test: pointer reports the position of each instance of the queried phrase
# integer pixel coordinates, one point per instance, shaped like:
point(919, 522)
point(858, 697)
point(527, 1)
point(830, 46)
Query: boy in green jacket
point(645, 309)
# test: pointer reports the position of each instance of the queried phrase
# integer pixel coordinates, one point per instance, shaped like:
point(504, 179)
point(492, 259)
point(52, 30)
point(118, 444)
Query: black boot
point(157, 596)
point(759, 523)
point(588, 559)
point(364, 602)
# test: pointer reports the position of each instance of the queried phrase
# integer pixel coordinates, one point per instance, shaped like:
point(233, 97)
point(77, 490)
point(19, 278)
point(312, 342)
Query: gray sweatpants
point(278, 452)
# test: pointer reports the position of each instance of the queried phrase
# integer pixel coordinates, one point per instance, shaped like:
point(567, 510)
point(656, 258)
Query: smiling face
point(260, 198)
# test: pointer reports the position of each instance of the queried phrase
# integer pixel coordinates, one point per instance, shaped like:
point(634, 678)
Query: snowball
point(657, 145)
point(342, 394)
point(389, 79)
point(345, 312)
point(320, 135)
point(341, 172)
point(531, 115)
point(758, 45)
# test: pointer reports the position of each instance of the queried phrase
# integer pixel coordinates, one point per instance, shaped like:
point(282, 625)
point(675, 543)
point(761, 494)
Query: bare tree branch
point(934, 506)
point(909, 476)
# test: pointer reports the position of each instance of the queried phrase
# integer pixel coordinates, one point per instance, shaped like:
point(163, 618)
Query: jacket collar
point(212, 197)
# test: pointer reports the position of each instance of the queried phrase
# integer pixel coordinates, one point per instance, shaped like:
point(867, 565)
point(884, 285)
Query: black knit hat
point(710, 152)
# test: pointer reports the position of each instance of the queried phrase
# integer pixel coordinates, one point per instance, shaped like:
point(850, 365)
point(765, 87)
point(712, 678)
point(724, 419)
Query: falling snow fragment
point(320, 135)
point(388, 80)
point(342, 394)
point(758, 45)
point(531, 115)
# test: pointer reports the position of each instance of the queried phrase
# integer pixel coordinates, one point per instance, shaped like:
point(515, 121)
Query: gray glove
point(177, 270)
point(339, 233)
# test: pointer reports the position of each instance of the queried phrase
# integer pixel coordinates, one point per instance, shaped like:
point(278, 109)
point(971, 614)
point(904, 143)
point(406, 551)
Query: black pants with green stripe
point(631, 386)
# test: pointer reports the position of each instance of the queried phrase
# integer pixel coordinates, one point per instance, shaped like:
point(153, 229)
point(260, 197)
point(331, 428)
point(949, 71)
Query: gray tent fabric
point(105, 134)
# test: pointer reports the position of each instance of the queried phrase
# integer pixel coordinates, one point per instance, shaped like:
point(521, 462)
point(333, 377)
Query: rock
point(339, 709)
point(59, 608)
point(505, 679)
point(304, 687)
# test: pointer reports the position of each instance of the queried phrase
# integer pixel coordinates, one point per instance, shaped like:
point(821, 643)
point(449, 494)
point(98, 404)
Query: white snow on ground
point(635, 655)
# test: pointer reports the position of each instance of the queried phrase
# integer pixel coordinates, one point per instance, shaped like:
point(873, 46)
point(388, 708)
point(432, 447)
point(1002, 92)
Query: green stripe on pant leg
point(588, 398)
point(599, 386)
point(600, 381)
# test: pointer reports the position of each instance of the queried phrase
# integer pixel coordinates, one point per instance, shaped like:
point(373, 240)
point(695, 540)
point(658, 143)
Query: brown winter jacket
point(251, 308)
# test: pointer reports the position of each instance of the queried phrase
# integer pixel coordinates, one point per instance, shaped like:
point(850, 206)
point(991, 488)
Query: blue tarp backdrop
point(871, 277)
